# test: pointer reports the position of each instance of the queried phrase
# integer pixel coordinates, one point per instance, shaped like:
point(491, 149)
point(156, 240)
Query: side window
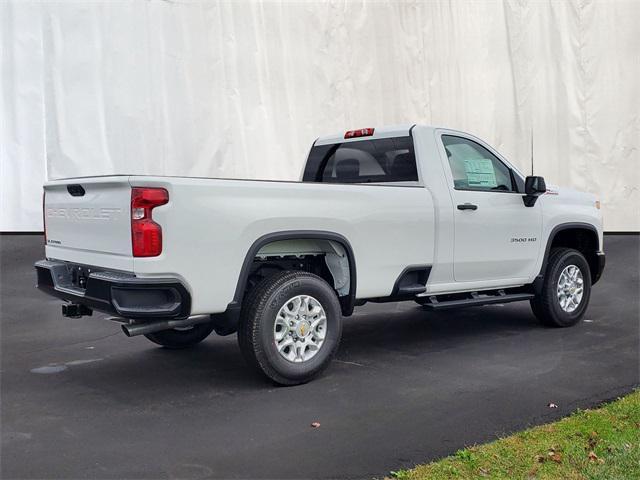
point(473, 167)
point(363, 161)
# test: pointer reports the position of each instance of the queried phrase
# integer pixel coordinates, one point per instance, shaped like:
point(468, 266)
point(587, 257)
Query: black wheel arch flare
point(227, 321)
point(595, 271)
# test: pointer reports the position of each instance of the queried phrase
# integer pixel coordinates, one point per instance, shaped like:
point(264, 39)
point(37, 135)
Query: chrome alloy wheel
point(570, 288)
point(300, 328)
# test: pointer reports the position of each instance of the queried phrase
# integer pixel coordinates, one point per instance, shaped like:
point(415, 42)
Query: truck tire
point(565, 291)
point(290, 327)
point(182, 338)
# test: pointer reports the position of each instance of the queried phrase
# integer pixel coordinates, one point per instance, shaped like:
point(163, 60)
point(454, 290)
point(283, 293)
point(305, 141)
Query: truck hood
point(572, 195)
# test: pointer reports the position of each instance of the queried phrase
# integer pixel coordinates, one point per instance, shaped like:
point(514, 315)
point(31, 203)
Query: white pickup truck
point(416, 213)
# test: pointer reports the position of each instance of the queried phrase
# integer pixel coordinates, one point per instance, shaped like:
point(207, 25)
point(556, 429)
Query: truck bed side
point(209, 226)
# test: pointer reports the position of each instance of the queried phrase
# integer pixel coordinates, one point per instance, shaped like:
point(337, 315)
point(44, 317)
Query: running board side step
point(476, 299)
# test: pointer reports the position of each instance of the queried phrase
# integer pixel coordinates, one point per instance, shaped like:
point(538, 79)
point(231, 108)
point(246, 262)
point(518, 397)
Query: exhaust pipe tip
point(125, 329)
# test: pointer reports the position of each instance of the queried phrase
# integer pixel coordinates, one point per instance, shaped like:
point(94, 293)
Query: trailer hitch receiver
point(75, 310)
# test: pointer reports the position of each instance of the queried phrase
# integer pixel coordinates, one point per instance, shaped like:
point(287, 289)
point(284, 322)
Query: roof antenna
point(531, 151)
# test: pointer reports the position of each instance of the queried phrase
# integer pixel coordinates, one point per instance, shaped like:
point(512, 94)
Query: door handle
point(467, 206)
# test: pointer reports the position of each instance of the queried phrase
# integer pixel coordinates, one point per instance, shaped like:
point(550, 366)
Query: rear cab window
point(382, 160)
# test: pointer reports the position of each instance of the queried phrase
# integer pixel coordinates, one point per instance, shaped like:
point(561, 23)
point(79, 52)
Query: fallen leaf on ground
point(555, 456)
point(592, 456)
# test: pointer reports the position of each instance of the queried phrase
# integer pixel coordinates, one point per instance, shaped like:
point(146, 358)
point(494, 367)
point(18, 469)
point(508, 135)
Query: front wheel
point(290, 327)
point(565, 291)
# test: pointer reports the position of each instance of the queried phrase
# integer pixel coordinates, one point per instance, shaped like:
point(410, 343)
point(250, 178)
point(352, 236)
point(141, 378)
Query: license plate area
point(72, 277)
point(79, 276)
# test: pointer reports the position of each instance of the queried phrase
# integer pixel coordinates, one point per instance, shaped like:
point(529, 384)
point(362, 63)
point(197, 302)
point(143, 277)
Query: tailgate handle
point(75, 190)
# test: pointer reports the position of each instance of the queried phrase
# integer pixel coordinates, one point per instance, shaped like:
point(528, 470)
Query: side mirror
point(533, 187)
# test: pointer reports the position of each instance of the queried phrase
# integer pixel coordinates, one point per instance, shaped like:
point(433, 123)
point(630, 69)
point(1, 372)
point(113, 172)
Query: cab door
point(496, 236)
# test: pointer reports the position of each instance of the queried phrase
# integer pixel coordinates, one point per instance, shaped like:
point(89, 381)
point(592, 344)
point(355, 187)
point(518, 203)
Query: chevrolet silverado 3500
point(416, 213)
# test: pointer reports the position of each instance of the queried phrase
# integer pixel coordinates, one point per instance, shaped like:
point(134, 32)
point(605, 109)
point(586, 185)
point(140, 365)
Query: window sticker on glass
point(480, 172)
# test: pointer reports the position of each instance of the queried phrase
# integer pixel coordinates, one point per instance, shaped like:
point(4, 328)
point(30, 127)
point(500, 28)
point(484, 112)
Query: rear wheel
point(565, 291)
point(290, 327)
point(181, 337)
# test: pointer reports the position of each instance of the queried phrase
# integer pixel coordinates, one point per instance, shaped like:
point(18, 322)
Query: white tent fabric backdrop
point(241, 89)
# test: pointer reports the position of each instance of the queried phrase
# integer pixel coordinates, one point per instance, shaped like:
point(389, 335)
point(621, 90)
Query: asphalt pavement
point(81, 400)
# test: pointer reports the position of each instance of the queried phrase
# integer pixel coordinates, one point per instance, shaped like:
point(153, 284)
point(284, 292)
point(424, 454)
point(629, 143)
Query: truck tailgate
point(88, 221)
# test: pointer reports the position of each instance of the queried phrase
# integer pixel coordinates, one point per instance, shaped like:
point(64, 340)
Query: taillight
point(361, 132)
point(146, 235)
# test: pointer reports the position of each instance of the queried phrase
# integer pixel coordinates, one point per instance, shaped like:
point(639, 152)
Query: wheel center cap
point(303, 328)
